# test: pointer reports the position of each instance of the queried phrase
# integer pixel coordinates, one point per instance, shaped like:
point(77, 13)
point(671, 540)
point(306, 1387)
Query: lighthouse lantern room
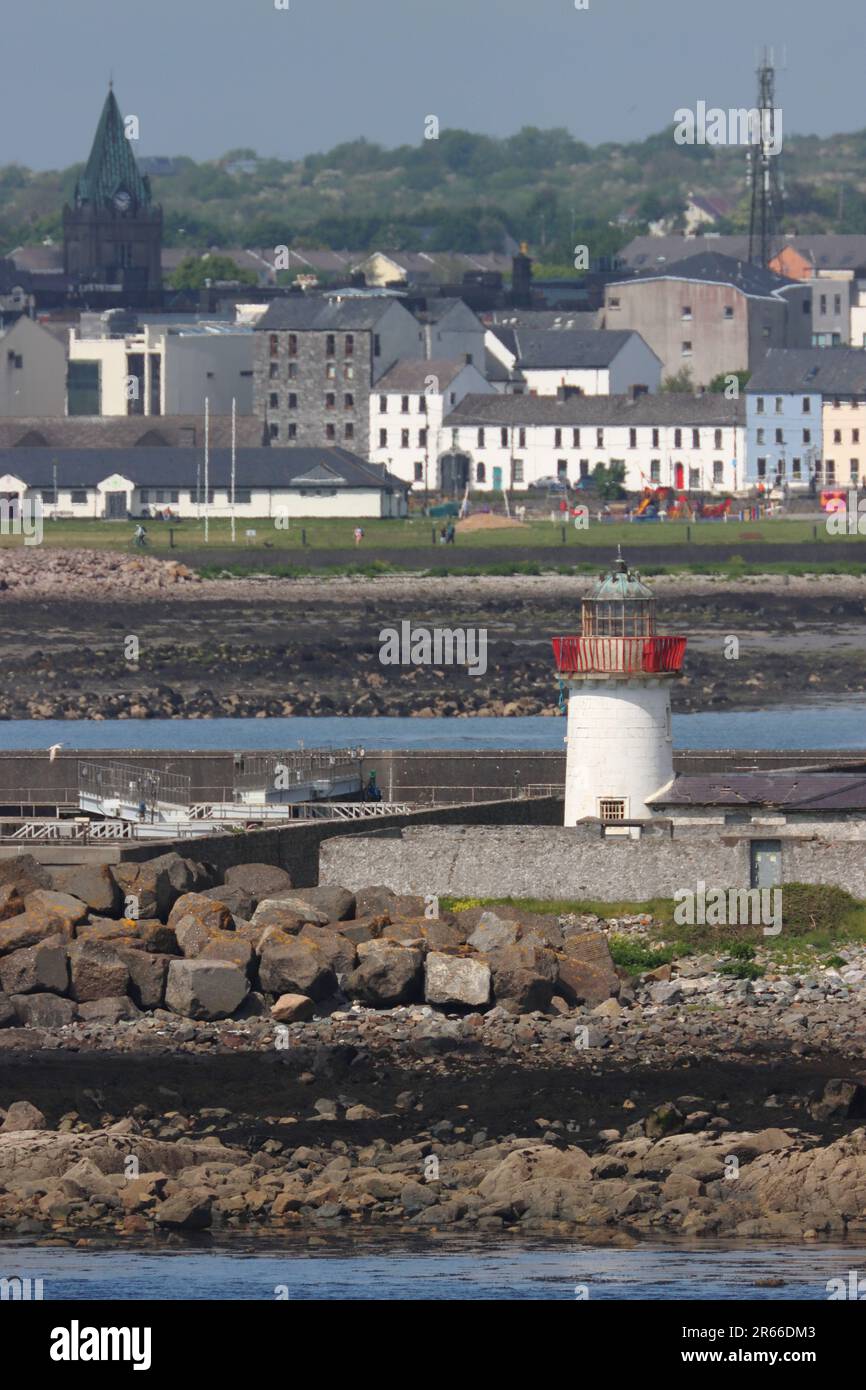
point(618, 675)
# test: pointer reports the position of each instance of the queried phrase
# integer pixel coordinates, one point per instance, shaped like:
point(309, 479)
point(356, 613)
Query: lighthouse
point(618, 675)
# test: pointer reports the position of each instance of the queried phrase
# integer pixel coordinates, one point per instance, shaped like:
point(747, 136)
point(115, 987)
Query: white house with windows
point(668, 440)
point(600, 363)
point(406, 413)
point(269, 483)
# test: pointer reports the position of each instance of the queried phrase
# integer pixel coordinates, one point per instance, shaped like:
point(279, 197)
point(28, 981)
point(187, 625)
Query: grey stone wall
point(557, 862)
point(311, 384)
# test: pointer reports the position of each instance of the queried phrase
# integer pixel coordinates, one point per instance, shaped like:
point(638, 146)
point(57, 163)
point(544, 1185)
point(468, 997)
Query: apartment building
point(406, 413)
point(806, 419)
point(538, 361)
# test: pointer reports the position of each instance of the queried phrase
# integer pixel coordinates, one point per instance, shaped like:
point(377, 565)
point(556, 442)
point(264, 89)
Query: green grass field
point(382, 536)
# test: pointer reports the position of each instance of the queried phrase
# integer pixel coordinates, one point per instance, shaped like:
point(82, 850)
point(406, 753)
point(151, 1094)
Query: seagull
point(53, 751)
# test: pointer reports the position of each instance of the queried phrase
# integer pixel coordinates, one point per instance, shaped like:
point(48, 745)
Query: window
point(422, 404)
point(422, 439)
point(762, 468)
point(855, 436)
point(687, 312)
point(696, 439)
point(557, 439)
point(273, 345)
point(562, 469)
point(678, 439)
point(349, 344)
point(613, 303)
point(831, 470)
point(855, 470)
point(655, 439)
point(780, 436)
point(383, 439)
point(404, 405)
point(292, 430)
point(330, 344)
point(837, 303)
point(795, 468)
point(377, 345)
point(293, 344)
point(349, 430)
point(78, 497)
point(759, 405)
point(348, 401)
point(383, 405)
point(503, 437)
point(686, 349)
point(330, 400)
point(480, 473)
point(717, 439)
point(599, 438)
point(275, 370)
point(584, 468)
point(330, 432)
point(729, 311)
point(807, 405)
point(292, 401)
point(517, 472)
point(778, 405)
point(718, 471)
point(575, 439)
point(837, 436)
point(521, 437)
point(331, 371)
point(348, 372)
point(823, 303)
point(273, 401)
point(807, 436)
point(404, 439)
point(480, 438)
point(655, 471)
point(611, 808)
point(694, 477)
point(418, 469)
point(759, 435)
point(293, 370)
point(632, 438)
point(274, 431)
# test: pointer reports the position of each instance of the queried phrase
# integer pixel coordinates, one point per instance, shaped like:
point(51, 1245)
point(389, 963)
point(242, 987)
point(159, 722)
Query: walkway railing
point(618, 655)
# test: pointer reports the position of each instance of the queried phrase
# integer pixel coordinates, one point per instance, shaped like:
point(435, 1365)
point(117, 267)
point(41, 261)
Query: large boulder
point(46, 913)
point(373, 902)
point(42, 1010)
point(456, 980)
point(539, 1181)
point(260, 880)
point(340, 953)
point(22, 1117)
point(11, 901)
point(288, 905)
point(360, 929)
point(524, 976)
point(386, 974)
point(119, 1009)
point(150, 887)
point(147, 976)
point(93, 884)
point(239, 900)
point(586, 972)
point(25, 873)
point(227, 945)
point(8, 1017)
point(205, 989)
point(296, 966)
point(97, 971)
point(62, 908)
point(41, 967)
point(156, 936)
point(292, 1008)
point(336, 903)
point(493, 932)
point(198, 907)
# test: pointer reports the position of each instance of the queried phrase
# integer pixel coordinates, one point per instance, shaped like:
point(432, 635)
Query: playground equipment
point(834, 500)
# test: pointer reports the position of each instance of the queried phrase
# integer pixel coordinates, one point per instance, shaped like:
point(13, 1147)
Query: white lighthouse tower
point(618, 675)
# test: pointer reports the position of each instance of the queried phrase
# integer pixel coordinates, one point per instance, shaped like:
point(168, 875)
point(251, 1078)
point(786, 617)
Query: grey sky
point(205, 76)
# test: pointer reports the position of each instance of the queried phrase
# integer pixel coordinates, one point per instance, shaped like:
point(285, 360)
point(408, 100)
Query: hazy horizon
point(215, 75)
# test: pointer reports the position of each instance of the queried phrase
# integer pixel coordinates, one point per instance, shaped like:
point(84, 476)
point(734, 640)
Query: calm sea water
point(395, 1273)
point(841, 725)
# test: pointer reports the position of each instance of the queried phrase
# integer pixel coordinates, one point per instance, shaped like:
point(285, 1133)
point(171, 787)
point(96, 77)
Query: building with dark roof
point(806, 419)
point(542, 360)
point(711, 314)
point(270, 483)
point(112, 233)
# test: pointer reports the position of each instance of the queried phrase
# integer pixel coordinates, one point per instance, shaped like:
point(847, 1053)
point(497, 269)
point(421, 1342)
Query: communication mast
point(764, 174)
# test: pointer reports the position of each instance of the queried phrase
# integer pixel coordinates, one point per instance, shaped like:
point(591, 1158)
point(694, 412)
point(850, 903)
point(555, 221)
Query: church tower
point(112, 235)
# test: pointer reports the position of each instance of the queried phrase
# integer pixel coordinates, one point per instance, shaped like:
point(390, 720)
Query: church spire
point(111, 177)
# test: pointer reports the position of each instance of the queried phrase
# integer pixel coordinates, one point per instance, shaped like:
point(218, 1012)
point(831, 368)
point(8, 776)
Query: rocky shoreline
point(277, 648)
point(247, 1056)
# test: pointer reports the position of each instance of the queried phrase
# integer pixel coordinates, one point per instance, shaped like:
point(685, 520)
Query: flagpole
point(206, 469)
point(234, 456)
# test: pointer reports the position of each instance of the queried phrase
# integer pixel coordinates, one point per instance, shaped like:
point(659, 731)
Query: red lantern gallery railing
point(618, 655)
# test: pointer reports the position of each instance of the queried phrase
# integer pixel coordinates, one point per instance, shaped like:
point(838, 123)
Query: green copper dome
point(620, 584)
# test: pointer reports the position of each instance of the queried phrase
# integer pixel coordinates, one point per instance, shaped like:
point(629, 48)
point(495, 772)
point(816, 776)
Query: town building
point(452, 332)
point(806, 419)
point(271, 484)
point(118, 367)
point(318, 358)
point(538, 361)
point(32, 369)
point(672, 439)
point(112, 232)
point(710, 314)
point(406, 413)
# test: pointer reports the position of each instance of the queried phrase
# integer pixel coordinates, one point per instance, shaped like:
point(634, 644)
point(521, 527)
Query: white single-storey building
point(141, 482)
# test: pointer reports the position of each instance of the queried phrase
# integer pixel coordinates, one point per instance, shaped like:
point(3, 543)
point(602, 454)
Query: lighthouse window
point(611, 808)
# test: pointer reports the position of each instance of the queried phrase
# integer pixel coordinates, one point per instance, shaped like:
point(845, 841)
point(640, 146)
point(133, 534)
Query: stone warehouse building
point(316, 361)
point(671, 440)
point(271, 484)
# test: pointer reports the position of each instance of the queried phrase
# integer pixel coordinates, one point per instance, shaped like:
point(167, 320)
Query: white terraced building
point(406, 412)
point(667, 440)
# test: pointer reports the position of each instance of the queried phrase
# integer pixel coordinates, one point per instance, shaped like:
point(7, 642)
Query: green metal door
point(766, 865)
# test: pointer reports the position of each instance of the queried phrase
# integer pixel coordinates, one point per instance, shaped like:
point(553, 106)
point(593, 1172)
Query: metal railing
point(618, 655)
point(263, 771)
point(80, 831)
point(128, 783)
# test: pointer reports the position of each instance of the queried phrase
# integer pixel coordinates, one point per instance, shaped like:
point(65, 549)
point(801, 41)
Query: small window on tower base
point(610, 808)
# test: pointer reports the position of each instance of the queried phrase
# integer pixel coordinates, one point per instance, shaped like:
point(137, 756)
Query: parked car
point(549, 484)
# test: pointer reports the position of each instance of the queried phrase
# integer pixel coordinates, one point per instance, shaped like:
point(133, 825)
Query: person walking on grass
point(359, 534)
